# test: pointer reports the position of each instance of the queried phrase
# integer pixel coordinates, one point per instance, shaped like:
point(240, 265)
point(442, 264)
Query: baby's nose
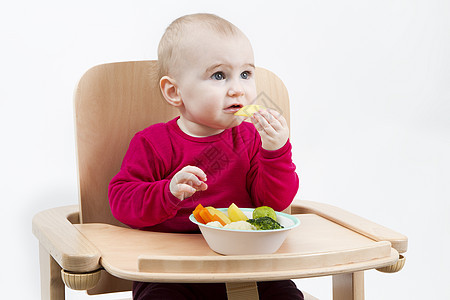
point(235, 92)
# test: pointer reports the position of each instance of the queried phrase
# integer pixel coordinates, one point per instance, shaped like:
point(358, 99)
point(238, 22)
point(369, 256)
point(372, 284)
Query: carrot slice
point(197, 216)
point(206, 215)
point(218, 219)
point(199, 207)
point(196, 213)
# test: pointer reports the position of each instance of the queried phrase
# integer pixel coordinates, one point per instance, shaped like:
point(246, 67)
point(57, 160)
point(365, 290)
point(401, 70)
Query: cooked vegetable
point(265, 223)
point(264, 211)
point(215, 224)
point(210, 209)
point(196, 214)
point(217, 214)
point(235, 214)
point(264, 218)
point(248, 110)
point(218, 219)
point(206, 216)
point(240, 225)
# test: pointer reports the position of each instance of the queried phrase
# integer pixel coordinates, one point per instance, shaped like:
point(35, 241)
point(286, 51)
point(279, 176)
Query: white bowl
point(245, 242)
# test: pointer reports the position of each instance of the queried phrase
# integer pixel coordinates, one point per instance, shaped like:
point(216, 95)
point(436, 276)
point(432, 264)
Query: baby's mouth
point(233, 108)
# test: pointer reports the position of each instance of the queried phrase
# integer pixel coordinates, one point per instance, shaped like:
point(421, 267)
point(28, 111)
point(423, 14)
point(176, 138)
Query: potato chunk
point(235, 214)
point(248, 110)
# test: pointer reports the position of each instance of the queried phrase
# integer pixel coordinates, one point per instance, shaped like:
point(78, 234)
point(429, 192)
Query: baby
point(206, 155)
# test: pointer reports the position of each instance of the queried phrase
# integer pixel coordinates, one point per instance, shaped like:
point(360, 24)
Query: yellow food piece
point(248, 110)
point(235, 214)
point(210, 209)
point(220, 214)
point(223, 216)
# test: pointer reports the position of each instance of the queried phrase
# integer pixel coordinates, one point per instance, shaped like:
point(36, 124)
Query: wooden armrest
point(71, 250)
point(351, 221)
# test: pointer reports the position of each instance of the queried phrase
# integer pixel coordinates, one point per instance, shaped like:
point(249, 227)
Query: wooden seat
point(112, 103)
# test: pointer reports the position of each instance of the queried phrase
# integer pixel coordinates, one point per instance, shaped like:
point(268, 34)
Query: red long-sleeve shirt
point(238, 169)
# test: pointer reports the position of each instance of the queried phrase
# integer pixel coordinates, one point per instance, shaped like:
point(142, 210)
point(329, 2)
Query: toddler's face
point(215, 79)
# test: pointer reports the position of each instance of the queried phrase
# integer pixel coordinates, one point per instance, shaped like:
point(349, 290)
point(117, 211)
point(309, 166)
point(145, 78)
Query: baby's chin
point(236, 122)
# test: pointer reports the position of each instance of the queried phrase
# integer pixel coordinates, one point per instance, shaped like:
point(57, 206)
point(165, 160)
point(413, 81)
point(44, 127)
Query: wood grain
point(348, 286)
point(52, 286)
point(354, 222)
point(60, 239)
point(317, 247)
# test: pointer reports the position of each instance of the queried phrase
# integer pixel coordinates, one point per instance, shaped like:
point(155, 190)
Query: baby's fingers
point(184, 188)
point(270, 117)
point(191, 175)
point(195, 171)
point(202, 187)
point(187, 178)
point(187, 181)
point(264, 123)
point(279, 117)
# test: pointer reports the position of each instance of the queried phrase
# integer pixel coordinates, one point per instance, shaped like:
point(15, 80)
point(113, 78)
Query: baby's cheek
point(211, 108)
point(251, 94)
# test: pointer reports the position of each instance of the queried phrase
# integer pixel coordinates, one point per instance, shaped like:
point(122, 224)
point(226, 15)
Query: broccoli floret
point(265, 223)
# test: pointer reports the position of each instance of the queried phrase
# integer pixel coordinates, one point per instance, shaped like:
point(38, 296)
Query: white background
point(369, 83)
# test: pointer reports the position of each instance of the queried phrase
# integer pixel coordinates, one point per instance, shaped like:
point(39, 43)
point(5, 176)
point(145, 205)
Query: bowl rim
point(290, 217)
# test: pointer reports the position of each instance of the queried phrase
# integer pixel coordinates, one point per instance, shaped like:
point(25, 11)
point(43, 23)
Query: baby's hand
point(272, 127)
point(187, 181)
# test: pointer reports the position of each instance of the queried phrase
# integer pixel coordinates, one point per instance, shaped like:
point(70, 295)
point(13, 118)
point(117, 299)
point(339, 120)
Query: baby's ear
point(170, 91)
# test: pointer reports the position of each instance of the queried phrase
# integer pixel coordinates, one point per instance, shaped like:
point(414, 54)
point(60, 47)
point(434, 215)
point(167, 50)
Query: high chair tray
point(317, 247)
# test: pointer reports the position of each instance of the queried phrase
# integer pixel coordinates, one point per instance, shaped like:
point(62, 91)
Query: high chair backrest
point(113, 102)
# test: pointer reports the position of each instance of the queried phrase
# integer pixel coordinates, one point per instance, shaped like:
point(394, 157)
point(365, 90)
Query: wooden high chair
point(86, 248)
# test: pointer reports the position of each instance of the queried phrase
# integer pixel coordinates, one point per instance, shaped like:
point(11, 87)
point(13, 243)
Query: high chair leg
point(242, 291)
point(348, 286)
point(52, 286)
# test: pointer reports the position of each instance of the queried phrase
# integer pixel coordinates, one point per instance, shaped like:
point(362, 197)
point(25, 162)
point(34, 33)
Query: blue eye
point(218, 76)
point(245, 75)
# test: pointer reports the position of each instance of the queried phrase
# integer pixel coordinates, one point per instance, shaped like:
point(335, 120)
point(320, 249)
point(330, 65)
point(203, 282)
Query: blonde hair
point(169, 51)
